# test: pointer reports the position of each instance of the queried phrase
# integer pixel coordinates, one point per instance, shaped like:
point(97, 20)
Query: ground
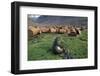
point(40, 47)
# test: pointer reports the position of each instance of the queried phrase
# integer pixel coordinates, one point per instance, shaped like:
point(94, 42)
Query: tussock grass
point(40, 47)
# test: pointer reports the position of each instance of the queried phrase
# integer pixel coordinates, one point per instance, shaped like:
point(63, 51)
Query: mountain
point(47, 19)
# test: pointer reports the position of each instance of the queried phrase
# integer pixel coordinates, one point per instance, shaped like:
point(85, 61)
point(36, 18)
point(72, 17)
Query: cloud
point(34, 16)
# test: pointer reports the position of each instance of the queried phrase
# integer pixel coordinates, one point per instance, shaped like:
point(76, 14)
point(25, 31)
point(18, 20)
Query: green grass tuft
point(40, 47)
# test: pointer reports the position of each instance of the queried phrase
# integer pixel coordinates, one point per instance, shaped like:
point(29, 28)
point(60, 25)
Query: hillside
point(59, 20)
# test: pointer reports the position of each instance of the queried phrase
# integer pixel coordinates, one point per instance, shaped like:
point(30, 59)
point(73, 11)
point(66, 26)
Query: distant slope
point(45, 19)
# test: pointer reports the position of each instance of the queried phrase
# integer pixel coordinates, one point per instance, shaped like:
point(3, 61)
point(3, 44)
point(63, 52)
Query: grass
point(39, 48)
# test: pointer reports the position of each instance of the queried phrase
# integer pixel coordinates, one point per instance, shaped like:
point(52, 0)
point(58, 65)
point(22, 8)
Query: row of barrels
point(71, 31)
